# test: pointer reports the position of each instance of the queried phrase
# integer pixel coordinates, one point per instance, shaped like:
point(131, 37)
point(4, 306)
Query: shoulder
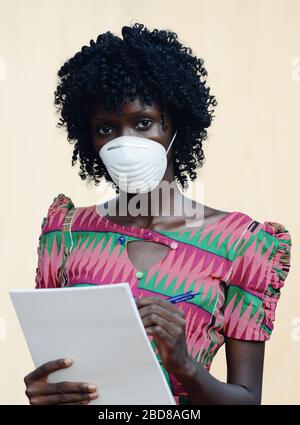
point(263, 239)
point(248, 235)
point(259, 268)
point(261, 257)
point(57, 212)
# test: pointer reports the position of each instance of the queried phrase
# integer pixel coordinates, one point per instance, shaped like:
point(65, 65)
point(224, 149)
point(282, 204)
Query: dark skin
point(163, 320)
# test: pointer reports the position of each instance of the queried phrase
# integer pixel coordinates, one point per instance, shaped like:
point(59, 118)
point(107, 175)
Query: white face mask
point(135, 164)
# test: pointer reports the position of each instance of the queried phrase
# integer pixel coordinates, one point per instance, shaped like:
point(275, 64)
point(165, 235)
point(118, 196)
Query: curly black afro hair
point(151, 64)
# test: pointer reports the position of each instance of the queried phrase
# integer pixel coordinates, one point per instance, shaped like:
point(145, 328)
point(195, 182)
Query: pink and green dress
point(238, 265)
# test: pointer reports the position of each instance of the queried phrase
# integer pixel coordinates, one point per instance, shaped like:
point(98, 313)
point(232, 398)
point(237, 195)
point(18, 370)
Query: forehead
point(129, 107)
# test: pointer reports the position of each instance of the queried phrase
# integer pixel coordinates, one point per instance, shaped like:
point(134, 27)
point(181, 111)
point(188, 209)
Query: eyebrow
point(110, 117)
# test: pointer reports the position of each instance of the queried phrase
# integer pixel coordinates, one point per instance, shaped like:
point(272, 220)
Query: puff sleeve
point(258, 273)
point(50, 250)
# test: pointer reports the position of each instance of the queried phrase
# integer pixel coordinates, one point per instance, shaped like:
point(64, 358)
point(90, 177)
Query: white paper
point(101, 330)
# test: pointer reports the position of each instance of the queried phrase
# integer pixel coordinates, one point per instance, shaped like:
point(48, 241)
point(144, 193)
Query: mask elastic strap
point(171, 142)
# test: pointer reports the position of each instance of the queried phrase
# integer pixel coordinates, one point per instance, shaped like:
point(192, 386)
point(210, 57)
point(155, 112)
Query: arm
point(244, 358)
point(244, 376)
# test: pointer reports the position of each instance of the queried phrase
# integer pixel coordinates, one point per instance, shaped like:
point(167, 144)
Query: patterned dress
point(238, 265)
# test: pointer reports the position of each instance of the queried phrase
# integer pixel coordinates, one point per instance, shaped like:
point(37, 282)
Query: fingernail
point(68, 362)
point(93, 395)
point(91, 387)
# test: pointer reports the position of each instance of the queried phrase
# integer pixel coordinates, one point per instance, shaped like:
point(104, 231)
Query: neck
point(148, 208)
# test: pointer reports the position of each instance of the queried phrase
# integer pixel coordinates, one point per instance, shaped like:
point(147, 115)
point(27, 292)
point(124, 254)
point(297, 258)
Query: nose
point(127, 131)
point(123, 131)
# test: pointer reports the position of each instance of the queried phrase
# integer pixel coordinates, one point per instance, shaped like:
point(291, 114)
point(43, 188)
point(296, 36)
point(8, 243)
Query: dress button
point(174, 245)
point(121, 240)
point(139, 274)
point(149, 234)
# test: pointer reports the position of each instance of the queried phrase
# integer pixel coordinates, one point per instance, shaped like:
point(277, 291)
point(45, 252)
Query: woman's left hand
point(166, 323)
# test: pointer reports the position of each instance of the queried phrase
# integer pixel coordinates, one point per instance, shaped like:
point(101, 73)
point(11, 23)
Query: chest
point(145, 254)
point(165, 266)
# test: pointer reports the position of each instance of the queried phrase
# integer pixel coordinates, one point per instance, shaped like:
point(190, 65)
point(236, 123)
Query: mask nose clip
point(127, 145)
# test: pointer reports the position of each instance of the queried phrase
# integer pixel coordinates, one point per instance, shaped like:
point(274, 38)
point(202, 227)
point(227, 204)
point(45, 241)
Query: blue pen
point(178, 297)
point(182, 297)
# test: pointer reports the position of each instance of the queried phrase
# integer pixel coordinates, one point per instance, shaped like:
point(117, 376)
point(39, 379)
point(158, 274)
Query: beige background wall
point(252, 52)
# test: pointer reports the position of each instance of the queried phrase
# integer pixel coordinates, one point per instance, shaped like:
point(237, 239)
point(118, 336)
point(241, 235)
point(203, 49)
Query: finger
point(76, 402)
point(162, 302)
point(163, 312)
point(63, 398)
point(170, 328)
point(47, 368)
point(60, 388)
point(161, 334)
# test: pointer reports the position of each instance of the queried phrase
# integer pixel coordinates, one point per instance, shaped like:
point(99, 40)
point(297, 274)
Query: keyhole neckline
point(139, 273)
point(158, 237)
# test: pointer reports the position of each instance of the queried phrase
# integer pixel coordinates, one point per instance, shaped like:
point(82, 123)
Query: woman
point(137, 109)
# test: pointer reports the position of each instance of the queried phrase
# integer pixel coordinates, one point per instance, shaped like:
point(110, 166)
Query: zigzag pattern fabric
point(237, 264)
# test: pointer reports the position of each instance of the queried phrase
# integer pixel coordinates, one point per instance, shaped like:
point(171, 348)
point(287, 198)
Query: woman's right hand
point(39, 391)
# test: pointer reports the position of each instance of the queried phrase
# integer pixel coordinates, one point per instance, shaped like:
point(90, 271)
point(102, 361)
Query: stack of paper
point(101, 330)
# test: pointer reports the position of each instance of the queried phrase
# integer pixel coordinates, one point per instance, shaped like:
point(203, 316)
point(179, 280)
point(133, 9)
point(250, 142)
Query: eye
point(104, 129)
point(146, 123)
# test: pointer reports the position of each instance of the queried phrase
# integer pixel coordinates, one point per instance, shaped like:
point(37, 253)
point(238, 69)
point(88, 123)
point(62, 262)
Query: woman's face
point(137, 119)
